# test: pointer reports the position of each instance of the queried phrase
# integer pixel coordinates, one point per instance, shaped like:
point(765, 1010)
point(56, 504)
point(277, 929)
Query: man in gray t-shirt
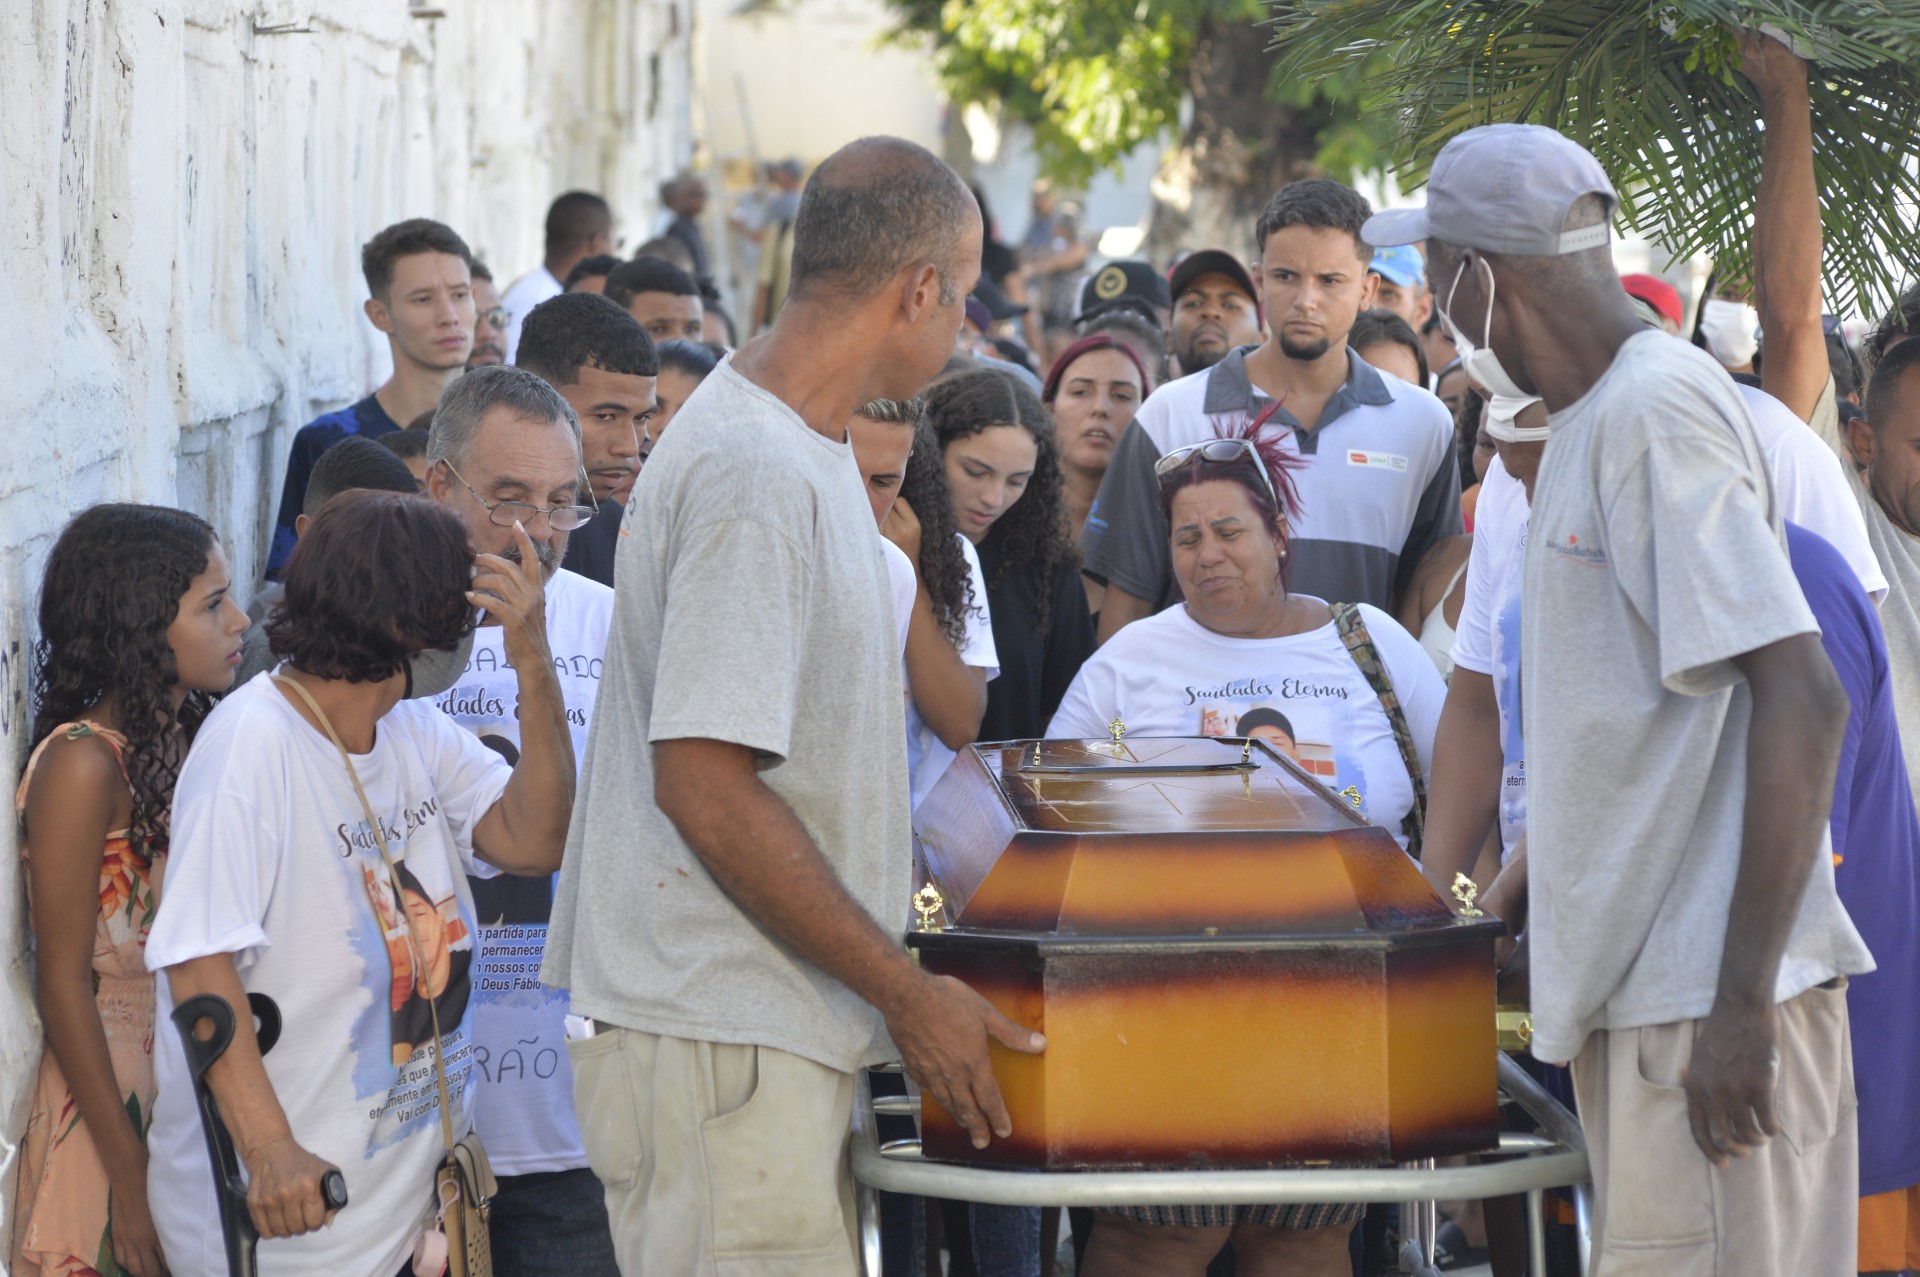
point(1689, 951)
point(738, 870)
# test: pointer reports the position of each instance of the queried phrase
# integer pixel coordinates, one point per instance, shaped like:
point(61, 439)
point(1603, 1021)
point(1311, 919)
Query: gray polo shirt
point(1378, 484)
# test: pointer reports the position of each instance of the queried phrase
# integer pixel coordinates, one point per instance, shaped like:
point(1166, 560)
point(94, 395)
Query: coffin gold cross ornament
point(928, 903)
point(1466, 891)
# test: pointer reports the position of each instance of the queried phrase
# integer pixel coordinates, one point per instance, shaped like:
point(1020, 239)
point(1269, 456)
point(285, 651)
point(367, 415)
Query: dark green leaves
point(1654, 90)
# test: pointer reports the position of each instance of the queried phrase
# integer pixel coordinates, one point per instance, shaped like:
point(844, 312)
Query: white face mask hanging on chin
point(1481, 363)
point(1503, 414)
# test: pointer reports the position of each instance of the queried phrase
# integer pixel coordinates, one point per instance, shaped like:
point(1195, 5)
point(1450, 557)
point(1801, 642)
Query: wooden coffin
point(1232, 968)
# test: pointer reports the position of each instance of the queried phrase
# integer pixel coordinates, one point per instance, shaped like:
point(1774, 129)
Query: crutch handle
point(230, 1186)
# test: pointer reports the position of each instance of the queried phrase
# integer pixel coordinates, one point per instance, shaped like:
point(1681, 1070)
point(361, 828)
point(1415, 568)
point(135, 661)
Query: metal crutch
point(236, 1223)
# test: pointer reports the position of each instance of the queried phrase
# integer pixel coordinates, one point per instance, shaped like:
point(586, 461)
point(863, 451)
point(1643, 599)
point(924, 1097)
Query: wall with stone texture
point(184, 189)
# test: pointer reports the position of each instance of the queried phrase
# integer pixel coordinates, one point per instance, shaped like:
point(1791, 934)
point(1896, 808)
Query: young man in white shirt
point(579, 226)
point(1379, 485)
point(1682, 723)
point(499, 454)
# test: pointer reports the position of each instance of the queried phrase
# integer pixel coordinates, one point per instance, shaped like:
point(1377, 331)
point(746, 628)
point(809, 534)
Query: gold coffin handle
point(1512, 1028)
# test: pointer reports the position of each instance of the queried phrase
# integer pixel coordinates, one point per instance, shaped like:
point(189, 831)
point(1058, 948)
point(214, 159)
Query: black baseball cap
point(1129, 277)
point(1211, 261)
point(998, 304)
point(1130, 304)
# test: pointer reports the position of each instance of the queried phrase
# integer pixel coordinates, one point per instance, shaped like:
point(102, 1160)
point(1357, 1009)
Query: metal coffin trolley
point(1250, 994)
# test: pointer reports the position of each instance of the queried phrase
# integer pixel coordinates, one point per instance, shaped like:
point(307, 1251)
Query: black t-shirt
point(590, 550)
point(1035, 669)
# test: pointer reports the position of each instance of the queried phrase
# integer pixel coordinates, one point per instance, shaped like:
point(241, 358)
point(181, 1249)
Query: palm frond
point(1651, 88)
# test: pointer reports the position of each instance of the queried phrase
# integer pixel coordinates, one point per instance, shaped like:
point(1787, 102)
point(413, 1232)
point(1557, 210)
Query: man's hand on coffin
point(1732, 1079)
point(942, 1030)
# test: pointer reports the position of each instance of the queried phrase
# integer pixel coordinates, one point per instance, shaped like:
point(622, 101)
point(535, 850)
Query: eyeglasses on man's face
point(504, 514)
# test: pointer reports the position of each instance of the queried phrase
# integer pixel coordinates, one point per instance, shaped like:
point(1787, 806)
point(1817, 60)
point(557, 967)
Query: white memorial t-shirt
point(1811, 487)
point(523, 1102)
point(1168, 675)
point(272, 861)
point(927, 755)
point(1487, 639)
point(906, 584)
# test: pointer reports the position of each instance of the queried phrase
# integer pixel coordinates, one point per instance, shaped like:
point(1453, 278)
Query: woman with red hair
point(1092, 390)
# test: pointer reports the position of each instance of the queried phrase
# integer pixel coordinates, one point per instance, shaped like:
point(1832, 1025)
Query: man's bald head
point(875, 208)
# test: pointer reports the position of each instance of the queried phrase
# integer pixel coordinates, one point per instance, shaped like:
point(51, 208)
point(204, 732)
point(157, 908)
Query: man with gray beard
point(505, 449)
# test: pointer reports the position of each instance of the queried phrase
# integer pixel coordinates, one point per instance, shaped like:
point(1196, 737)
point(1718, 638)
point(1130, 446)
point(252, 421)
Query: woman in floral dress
point(136, 629)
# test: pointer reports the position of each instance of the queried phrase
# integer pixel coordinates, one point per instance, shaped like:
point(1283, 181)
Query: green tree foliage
point(1652, 88)
point(1093, 79)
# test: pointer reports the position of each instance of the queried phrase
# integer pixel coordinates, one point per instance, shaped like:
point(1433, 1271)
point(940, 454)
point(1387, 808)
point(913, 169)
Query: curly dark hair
point(112, 588)
point(377, 577)
point(1032, 534)
point(943, 564)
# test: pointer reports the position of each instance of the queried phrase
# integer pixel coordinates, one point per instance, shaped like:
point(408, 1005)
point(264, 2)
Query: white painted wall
point(804, 78)
point(184, 194)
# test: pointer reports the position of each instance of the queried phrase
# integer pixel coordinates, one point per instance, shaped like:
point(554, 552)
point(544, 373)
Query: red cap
point(1655, 292)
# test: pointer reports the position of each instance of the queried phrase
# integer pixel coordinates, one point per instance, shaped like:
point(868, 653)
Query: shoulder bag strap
point(1359, 644)
point(399, 896)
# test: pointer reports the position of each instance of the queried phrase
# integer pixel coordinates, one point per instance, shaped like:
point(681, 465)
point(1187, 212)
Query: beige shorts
point(717, 1158)
point(1663, 1210)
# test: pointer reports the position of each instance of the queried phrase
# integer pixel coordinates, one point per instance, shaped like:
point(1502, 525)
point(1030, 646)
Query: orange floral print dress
point(63, 1212)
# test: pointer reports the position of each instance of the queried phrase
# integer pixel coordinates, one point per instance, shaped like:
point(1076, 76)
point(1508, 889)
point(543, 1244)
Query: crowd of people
point(558, 783)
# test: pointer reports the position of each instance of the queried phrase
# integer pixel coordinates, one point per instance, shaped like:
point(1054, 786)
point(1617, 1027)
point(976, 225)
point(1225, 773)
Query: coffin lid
point(1160, 836)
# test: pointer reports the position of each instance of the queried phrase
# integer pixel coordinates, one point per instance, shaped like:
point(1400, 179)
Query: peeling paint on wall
point(184, 189)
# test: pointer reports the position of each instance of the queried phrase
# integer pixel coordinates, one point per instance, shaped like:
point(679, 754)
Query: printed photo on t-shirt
point(1298, 717)
point(428, 944)
point(429, 955)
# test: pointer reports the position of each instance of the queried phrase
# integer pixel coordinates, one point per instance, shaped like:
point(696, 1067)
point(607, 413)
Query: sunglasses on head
point(1220, 452)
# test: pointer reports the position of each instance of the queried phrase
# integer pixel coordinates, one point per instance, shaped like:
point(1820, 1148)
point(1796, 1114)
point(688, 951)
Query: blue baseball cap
point(1399, 264)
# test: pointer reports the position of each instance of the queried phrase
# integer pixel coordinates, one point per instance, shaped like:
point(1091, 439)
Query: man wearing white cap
point(1682, 726)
